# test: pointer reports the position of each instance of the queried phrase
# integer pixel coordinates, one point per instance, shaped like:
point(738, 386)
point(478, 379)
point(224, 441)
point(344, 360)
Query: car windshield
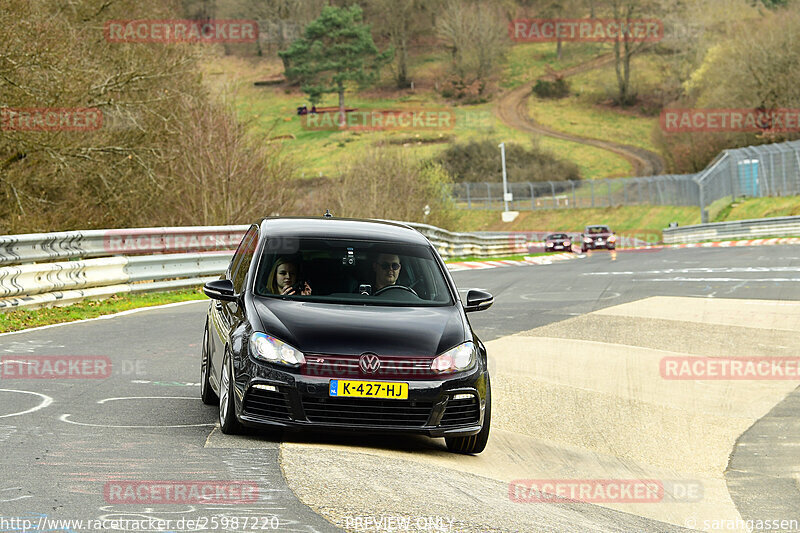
point(557, 236)
point(599, 229)
point(352, 272)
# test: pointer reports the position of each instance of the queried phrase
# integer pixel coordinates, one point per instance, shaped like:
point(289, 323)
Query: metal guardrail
point(64, 267)
point(739, 229)
point(32, 247)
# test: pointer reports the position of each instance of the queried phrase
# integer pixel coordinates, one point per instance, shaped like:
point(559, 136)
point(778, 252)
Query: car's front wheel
point(206, 392)
point(474, 443)
point(227, 406)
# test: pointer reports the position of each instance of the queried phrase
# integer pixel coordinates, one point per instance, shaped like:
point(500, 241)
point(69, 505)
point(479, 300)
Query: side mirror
point(220, 289)
point(478, 301)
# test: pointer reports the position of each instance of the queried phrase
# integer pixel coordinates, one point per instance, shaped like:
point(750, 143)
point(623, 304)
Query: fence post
point(533, 201)
point(703, 212)
point(488, 196)
point(608, 185)
point(553, 191)
point(469, 200)
point(572, 182)
point(592, 183)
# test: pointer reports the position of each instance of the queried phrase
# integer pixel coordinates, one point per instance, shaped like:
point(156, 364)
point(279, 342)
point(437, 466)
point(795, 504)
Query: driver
point(387, 269)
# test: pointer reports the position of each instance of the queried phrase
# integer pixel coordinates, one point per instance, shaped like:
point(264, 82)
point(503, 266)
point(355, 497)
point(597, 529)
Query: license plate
point(560, 247)
point(368, 389)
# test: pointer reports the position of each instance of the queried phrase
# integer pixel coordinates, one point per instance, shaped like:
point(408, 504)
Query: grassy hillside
point(272, 112)
point(629, 218)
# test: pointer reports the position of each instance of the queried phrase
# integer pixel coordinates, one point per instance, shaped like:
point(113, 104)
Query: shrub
point(551, 89)
point(479, 161)
point(388, 183)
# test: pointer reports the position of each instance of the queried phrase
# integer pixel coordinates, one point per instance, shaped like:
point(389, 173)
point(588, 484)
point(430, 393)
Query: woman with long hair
point(283, 277)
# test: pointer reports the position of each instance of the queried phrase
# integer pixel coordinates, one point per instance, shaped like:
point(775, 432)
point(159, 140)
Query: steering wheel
point(403, 287)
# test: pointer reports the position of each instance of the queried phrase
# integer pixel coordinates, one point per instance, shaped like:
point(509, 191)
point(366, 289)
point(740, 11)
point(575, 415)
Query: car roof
point(341, 228)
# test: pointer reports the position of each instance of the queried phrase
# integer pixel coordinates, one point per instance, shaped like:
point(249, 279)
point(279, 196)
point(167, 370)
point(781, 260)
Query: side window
point(240, 263)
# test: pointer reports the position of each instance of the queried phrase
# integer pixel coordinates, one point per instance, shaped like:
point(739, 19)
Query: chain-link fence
point(765, 170)
point(666, 190)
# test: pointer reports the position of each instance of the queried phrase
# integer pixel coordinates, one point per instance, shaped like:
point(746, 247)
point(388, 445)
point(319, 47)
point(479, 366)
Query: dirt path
point(512, 109)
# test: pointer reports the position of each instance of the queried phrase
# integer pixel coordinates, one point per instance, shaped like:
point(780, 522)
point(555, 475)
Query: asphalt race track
point(578, 394)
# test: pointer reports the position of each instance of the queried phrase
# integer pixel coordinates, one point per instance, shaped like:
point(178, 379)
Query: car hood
point(354, 329)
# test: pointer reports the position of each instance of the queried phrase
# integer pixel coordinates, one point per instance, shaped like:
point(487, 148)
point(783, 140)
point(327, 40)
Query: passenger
point(387, 269)
point(283, 277)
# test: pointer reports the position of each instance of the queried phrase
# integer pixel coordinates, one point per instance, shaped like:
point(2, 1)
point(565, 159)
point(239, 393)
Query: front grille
point(367, 411)
point(266, 404)
point(461, 412)
point(340, 366)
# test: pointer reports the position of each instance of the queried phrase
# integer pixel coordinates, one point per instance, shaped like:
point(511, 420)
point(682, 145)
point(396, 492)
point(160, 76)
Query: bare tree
point(402, 23)
point(130, 171)
point(476, 35)
point(363, 192)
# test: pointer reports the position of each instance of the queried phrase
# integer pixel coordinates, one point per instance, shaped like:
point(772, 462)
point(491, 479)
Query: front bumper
point(268, 396)
point(598, 246)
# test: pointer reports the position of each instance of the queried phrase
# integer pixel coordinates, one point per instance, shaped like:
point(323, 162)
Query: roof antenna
point(328, 214)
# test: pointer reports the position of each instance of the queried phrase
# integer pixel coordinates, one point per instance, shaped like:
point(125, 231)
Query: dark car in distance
point(595, 237)
point(346, 350)
point(558, 242)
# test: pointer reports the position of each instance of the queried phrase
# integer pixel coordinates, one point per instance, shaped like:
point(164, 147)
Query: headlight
point(613, 238)
point(267, 348)
point(548, 244)
point(462, 357)
point(567, 243)
point(587, 239)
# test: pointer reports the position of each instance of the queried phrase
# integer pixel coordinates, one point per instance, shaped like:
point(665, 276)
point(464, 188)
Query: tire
point(474, 443)
point(227, 405)
point(207, 394)
point(583, 249)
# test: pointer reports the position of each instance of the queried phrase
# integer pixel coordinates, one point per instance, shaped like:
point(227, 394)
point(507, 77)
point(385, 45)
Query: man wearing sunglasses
point(387, 269)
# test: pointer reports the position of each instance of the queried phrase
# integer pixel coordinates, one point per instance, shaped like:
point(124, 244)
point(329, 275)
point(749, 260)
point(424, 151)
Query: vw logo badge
point(369, 363)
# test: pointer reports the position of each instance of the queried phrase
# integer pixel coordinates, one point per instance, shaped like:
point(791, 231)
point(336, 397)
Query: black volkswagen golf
point(345, 325)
